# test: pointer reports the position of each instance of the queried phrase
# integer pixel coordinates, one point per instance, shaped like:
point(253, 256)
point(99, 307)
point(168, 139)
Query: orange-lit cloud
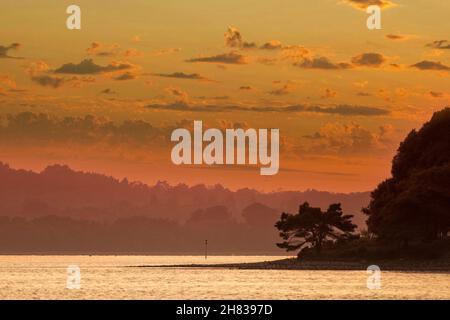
point(430, 65)
point(226, 58)
point(363, 4)
point(350, 138)
point(102, 50)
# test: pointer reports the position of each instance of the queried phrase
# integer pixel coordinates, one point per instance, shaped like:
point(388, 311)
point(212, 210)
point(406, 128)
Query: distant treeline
point(59, 190)
point(143, 235)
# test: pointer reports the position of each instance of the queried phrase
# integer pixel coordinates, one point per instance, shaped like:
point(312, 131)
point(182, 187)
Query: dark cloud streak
point(430, 65)
point(321, 63)
point(182, 75)
point(48, 81)
point(344, 110)
point(225, 58)
point(88, 66)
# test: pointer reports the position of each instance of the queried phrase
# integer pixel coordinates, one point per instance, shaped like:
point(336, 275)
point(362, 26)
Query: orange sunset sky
point(107, 97)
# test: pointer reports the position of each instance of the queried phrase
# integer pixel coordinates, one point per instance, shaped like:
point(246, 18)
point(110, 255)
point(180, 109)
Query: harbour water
point(119, 277)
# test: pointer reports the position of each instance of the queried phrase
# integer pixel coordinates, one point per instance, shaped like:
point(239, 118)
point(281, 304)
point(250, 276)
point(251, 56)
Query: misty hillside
point(59, 190)
point(60, 210)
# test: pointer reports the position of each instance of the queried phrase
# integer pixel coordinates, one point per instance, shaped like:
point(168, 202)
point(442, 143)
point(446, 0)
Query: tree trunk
point(319, 246)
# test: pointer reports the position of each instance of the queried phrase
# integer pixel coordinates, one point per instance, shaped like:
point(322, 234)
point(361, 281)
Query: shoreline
point(442, 266)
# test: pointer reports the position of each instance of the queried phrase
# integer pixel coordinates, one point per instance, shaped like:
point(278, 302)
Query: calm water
point(110, 277)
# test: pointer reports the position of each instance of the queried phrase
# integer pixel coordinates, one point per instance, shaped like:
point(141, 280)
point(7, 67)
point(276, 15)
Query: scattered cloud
point(48, 81)
point(181, 96)
point(439, 44)
point(4, 51)
point(272, 45)
point(435, 94)
point(36, 67)
point(182, 75)
point(369, 60)
point(246, 88)
point(398, 37)
point(430, 65)
point(322, 63)
point(88, 66)
point(233, 39)
point(102, 50)
point(108, 91)
point(226, 58)
point(350, 138)
point(37, 70)
point(126, 76)
point(111, 50)
point(41, 128)
point(287, 88)
point(294, 52)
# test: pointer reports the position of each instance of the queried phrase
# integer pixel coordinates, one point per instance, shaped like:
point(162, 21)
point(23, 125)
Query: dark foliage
point(313, 227)
point(414, 205)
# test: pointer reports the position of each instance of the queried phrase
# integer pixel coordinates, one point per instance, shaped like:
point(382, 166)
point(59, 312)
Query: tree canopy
point(415, 203)
point(310, 227)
